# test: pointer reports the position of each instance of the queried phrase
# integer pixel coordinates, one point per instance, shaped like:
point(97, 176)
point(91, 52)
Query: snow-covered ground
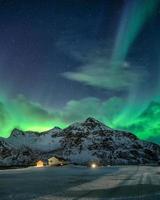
point(71, 182)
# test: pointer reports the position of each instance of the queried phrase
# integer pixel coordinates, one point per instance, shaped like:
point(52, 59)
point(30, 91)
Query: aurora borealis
point(63, 61)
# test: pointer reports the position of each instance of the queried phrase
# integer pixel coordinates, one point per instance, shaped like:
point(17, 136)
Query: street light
point(93, 165)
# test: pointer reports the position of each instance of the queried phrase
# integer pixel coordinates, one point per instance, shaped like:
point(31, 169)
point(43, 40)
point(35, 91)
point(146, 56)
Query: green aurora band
point(23, 114)
point(142, 118)
point(134, 16)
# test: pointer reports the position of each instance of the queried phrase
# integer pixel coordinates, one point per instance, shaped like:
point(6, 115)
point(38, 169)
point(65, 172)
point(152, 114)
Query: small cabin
point(40, 163)
point(56, 161)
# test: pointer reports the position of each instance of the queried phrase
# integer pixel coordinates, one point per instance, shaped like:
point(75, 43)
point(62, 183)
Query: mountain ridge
point(78, 143)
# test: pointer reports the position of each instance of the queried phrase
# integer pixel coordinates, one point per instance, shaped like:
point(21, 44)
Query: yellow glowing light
point(93, 165)
point(40, 164)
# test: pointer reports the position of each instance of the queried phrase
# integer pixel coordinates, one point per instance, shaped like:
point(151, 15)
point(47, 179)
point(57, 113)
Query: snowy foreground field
point(69, 182)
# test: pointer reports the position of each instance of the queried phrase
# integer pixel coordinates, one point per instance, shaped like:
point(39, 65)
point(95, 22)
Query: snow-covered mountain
point(10, 156)
point(79, 143)
point(45, 141)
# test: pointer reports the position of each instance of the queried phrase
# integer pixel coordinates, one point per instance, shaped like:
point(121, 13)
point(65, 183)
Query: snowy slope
point(79, 143)
point(46, 141)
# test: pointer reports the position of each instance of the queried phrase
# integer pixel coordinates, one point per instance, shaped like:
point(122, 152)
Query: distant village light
point(40, 163)
point(93, 165)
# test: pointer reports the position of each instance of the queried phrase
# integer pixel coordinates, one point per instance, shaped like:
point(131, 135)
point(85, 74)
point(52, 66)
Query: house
point(40, 163)
point(56, 161)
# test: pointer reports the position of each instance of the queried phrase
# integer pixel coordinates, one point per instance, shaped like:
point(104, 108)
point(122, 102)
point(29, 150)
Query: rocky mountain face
point(10, 156)
point(80, 143)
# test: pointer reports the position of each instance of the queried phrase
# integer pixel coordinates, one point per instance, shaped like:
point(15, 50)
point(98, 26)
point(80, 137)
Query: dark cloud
point(33, 110)
point(105, 111)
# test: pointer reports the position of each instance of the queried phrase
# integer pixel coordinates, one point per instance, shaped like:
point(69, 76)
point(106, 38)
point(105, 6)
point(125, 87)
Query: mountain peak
point(90, 121)
point(90, 125)
point(15, 132)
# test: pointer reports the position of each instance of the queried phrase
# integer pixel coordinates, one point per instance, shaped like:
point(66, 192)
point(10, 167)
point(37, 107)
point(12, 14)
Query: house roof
point(56, 157)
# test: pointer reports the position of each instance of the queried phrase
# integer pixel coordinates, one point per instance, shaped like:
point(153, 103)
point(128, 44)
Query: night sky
point(62, 61)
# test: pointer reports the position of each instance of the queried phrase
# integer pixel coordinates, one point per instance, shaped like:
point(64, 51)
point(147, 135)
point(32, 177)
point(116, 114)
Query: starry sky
point(62, 61)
